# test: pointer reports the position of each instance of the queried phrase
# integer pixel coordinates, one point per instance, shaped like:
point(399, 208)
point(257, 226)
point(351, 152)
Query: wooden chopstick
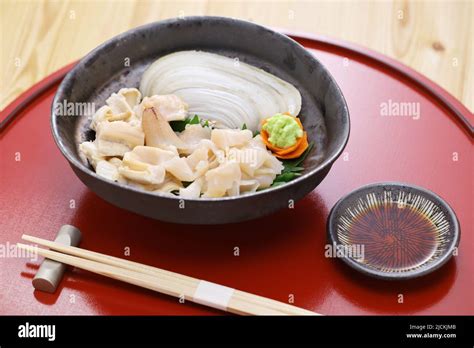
point(111, 260)
point(155, 283)
point(156, 279)
point(190, 282)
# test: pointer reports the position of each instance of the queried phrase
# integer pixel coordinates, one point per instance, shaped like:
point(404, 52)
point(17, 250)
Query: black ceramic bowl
point(121, 61)
point(393, 230)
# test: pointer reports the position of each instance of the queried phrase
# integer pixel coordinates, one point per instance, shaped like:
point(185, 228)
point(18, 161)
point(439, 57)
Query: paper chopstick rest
point(213, 295)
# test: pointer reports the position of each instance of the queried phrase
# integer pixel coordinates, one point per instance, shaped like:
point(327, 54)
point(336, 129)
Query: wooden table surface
point(435, 38)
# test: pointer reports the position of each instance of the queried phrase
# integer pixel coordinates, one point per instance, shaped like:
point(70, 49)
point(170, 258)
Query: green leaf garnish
point(244, 126)
point(277, 183)
point(179, 126)
point(286, 176)
point(288, 169)
point(297, 161)
point(292, 168)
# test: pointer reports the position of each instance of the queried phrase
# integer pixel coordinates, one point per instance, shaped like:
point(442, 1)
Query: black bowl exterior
point(199, 212)
point(453, 236)
point(324, 112)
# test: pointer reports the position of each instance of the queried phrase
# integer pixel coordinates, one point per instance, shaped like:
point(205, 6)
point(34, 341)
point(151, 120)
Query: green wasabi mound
point(283, 130)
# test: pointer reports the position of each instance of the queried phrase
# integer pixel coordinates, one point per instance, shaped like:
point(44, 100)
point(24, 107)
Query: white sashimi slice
point(225, 138)
point(180, 169)
point(109, 170)
point(221, 179)
point(158, 131)
point(193, 191)
point(117, 138)
point(192, 136)
point(147, 155)
point(171, 107)
point(152, 175)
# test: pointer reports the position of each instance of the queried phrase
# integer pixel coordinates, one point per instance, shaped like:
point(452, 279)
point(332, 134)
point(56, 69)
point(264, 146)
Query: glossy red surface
point(280, 255)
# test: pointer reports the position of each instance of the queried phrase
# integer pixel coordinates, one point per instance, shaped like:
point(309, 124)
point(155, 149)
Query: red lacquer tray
point(280, 256)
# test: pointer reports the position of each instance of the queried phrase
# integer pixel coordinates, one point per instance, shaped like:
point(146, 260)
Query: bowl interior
point(121, 62)
point(393, 230)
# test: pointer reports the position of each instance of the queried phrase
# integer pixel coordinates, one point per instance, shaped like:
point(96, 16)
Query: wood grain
point(435, 38)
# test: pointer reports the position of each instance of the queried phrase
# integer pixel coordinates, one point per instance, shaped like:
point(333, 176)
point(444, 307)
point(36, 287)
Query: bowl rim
point(454, 243)
point(326, 163)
